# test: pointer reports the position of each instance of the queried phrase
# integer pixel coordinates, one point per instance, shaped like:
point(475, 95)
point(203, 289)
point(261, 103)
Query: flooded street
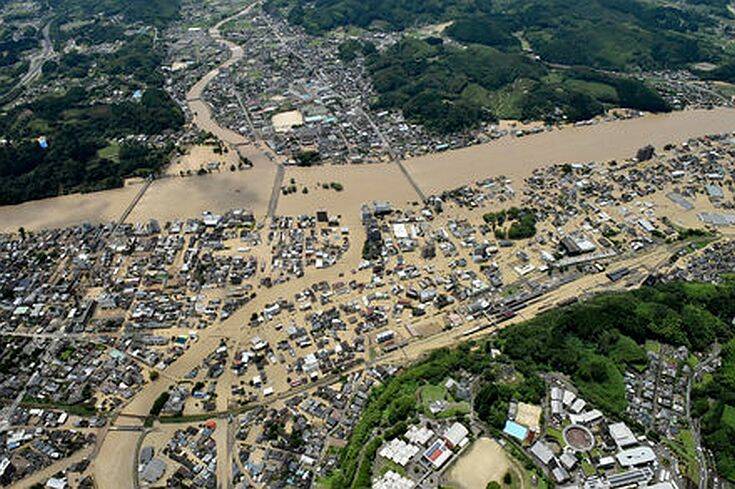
point(322, 220)
point(200, 110)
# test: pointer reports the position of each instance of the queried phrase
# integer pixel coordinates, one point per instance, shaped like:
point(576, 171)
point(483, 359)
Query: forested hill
point(448, 89)
point(615, 34)
point(80, 155)
point(594, 343)
point(150, 12)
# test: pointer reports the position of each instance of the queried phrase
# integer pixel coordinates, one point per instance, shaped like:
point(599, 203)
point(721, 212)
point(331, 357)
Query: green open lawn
point(432, 393)
point(66, 354)
point(597, 90)
point(455, 409)
point(110, 152)
point(728, 416)
point(385, 465)
point(75, 409)
point(706, 378)
point(686, 438)
point(556, 435)
point(608, 393)
point(692, 360)
point(588, 468)
point(685, 449)
point(506, 102)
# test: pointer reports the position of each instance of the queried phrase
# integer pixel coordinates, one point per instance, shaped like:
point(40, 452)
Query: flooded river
point(516, 157)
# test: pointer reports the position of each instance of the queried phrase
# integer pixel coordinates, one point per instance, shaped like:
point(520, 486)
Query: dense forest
point(593, 342)
point(80, 155)
point(724, 72)
point(449, 89)
point(590, 341)
point(150, 12)
point(16, 44)
point(522, 223)
point(714, 401)
point(613, 34)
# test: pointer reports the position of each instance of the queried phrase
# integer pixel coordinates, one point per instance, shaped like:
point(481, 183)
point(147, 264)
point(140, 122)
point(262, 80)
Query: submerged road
point(201, 111)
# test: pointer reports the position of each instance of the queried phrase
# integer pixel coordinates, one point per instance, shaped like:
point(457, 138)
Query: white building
point(622, 435)
point(398, 451)
point(393, 480)
point(419, 435)
point(633, 457)
point(456, 435)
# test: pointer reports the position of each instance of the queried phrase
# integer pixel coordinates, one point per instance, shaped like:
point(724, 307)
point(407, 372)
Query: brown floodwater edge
point(518, 157)
point(515, 157)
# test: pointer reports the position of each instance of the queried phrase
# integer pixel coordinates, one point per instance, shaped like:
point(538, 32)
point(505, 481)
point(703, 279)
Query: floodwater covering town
point(227, 323)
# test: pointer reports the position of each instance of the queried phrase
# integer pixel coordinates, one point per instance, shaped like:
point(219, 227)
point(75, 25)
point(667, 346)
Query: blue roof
point(115, 353)
point(515, 430)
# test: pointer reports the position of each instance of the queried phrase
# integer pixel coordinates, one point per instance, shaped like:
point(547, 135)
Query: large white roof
point(622, 435)
point(456, 433)
point(636, 456)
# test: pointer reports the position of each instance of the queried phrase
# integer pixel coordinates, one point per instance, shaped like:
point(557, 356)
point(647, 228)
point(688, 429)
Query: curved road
point(36, 64)
point(126, 445)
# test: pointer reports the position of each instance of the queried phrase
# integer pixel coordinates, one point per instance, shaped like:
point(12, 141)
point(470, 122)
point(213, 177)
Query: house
point(146, 454)
point(568, 460)
point(587, 417)
point(577, 246)
point(398, 451)
point(456, 435)
point(384, 336)
point(542, 452)
point(7, 470)
point(57, 483)
point(560, 474)
point(606, 462)
point(714, 192)
point(419, 435)
point(578, 405)
point(153, 470)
